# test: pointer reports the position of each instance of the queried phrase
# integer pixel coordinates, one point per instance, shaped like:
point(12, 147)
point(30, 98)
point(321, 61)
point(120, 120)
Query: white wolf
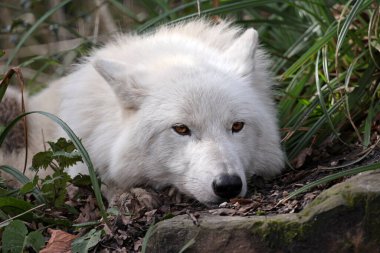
point(187, 105)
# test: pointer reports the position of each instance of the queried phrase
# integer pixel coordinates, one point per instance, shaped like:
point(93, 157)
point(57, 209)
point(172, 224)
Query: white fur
point(124, 99)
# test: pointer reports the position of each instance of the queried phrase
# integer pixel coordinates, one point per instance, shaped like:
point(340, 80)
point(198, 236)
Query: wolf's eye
point(181, 129)
point(237, 127)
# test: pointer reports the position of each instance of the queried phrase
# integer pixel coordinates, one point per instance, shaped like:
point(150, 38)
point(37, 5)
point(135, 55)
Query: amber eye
point(237, 127)
point(181, 129)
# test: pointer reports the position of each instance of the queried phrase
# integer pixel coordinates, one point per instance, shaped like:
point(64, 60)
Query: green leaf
point(76, 141)
point(63, 151)
point(23, 180)
point(54, 188)
point(62, 145)
point(28, 187)
point(42, 160)
point(66, 159)
point(13, 206)
point(81, 180)
point(35, 240)
point(16, 238)
point(86, 242)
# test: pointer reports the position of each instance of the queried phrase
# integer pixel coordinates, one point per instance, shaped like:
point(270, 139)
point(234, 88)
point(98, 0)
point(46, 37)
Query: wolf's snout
point(227, 186)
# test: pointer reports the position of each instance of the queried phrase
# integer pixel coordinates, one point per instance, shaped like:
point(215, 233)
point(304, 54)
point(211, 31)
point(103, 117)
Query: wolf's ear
point(125, 88)
point(242, 51)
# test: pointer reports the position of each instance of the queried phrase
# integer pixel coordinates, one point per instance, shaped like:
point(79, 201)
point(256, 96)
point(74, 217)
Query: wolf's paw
point(145, 198)
point(136, 200)
point(176, 196)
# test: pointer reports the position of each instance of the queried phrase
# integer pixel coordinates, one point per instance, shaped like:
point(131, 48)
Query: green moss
point(350, 199)
point(278, 234)
point(318, 200)
point(260, 213)
point(305, 213)
point(372, 217)
point(258, 224)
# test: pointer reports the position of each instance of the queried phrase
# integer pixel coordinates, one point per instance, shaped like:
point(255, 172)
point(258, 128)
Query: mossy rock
point(344, 218)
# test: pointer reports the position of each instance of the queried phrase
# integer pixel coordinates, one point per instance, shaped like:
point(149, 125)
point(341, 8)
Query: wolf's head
point(199, 112)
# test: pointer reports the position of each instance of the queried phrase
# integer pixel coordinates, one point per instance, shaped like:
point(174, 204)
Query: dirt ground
point(129, 226)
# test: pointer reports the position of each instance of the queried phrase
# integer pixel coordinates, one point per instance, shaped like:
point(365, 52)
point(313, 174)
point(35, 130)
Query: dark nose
point(227, 186)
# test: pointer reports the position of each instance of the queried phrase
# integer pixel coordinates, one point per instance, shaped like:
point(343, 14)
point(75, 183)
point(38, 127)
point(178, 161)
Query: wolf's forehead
point(200, 103)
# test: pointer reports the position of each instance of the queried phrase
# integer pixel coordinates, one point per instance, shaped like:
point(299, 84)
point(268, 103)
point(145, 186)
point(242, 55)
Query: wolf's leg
point(10, 108)
point(176, 196)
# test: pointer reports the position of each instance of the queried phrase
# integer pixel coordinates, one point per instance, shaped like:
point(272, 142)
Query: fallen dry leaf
point(138, 244)
point(59, 242)
point(300, 159)
point(241, 201)
point(89, 212)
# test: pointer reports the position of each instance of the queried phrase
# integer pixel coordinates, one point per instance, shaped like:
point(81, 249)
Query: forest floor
point(264, 198)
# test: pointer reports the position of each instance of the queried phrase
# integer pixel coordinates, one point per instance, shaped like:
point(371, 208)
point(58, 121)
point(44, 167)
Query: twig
point(199, 8)
point(363, 154)
point(21, 214)
point(48, 48)
point(193, 218)
point(20, 79)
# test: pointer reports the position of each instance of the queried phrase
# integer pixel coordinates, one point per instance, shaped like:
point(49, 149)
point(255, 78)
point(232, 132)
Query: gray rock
point(344, 218)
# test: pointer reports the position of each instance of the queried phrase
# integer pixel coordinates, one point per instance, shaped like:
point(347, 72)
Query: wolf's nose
point(227, 186)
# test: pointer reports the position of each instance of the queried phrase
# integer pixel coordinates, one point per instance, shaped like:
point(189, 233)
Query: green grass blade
point(305, 139)
point(187, 245)
point(224, 8)
point(292, 93)
point(32, 29)
point(311, 52)
point(148, 234)
point(360, 4)
point(124, 9)
point(3, 88)
point(163, 16)
point(86, 224)
point(325, 64)
point(373, 29)
point(346, 87)
point(296, 47)
point(370, 117)
point(322, 100)
point(329, 178)
point(228, 8)
point(15, 173)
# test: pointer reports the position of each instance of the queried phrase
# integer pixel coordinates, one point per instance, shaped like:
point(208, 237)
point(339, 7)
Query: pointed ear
point(126, 89)
point(242, 51)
